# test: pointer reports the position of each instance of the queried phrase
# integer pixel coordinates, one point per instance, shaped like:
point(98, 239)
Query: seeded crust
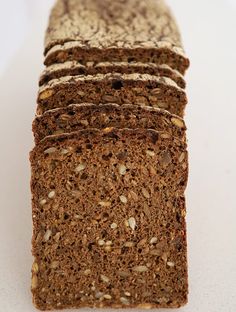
point(124, 30)
point(121, 242)
point(84, 116)
point(148, 90)
point(74, 68)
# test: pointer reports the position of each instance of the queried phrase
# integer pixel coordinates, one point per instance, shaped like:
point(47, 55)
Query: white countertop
point(208, 29)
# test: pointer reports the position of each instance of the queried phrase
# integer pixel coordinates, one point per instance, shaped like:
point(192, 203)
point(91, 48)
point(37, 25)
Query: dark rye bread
point(165, 53)
point(74, 68)
point(84, 116)
point(124, 30)
point(116, 88)
point(121, 242)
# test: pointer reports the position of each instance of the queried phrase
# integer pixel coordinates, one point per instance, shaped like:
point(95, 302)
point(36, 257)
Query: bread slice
point(74, 68)
point(163, 53)
point(116, 88)
point(83, 116)
point(126, 30)
point(109, 220)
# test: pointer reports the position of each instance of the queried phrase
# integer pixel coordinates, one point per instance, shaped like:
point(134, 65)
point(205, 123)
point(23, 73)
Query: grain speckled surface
point(105, 23)
point(121, 242)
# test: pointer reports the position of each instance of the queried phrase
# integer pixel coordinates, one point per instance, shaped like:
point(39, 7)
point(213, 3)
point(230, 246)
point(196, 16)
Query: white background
point(208, 29)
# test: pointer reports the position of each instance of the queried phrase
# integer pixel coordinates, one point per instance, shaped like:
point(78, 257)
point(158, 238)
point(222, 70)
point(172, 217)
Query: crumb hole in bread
point(107, 157)
point(89, 146)
point(78, 150)
point(71, 113)
point(177, 217)
point(105, 215)
point(66, 216)
point(117, 85)
point(81, 71)
point(131, 59)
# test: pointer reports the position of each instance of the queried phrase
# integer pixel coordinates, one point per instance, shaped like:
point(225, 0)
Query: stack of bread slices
point(110, 164)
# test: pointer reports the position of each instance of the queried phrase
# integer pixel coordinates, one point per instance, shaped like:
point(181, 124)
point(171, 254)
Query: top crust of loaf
point(105, 24)
point(107, 30)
